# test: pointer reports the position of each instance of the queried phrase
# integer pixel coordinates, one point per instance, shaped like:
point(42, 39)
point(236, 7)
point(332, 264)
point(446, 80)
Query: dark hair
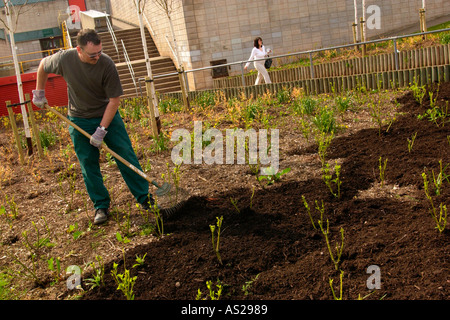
point(88, 35)
point(255, 42)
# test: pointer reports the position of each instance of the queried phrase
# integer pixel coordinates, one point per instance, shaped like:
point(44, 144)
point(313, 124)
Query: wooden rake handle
point(104, 146)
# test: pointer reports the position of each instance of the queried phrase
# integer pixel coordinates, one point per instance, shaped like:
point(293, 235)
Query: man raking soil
point(94, 91)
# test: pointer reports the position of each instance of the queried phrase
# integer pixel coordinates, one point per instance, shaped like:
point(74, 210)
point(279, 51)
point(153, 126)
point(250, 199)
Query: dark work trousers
point(117, 140)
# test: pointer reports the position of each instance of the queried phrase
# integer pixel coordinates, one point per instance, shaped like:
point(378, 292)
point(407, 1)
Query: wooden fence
point(406, 60)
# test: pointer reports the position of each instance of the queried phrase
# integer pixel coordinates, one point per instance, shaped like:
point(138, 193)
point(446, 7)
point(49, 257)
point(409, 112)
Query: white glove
point(39, 98)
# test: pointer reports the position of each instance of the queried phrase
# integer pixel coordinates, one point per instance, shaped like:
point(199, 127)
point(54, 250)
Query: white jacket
point(258, 54)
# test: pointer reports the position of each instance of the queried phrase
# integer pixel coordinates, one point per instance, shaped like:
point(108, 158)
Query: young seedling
point(308, 209)
point(327, 178)
point(272, 178)
point(340, 287)
point(216, 242)
point(339, 248)
point(234, 203)
point(125, 282)
point(139, 261)
point(440, 178)
point(382, 168)
point(213, 295)
point(54, 265)
point(246, 287)
point(411, 142)
point(98, 274)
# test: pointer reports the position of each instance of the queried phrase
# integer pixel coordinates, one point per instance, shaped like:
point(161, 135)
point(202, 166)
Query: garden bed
point(268, 245)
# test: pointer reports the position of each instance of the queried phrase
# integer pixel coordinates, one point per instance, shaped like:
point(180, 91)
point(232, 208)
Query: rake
point(162, 190)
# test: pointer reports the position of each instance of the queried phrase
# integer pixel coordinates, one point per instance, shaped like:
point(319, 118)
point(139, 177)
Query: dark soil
point(268, 242)
point(389, 226)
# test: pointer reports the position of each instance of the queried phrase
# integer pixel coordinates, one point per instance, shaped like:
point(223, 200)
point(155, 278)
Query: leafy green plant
point(248, 284)
point(73, 229)
point(206, 99)
point(418, 91)
point(122, 239)
point(440, 178)
point(342, 103)
point(139, 261)
point(436, 114)
point(274, 177)
point(159, 221)
point(125, 282)
point(328, 179)
point(308, 105)
point(323, 141)
point(441, 218)
point(47, 138)
point(216, 241)
point(213, 295)
point(98, 274)
point(445, 38)
point(283, 96)
point(325, 120)
point(54, 265)
point(170, 105)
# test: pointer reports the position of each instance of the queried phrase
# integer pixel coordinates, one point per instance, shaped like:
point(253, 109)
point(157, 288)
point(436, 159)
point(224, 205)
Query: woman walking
point(259, 52)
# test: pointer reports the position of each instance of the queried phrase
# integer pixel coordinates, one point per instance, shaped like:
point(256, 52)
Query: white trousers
point(262, 73)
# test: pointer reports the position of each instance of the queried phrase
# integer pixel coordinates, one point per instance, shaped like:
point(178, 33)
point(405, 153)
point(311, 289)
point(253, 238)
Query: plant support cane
point(162, 190)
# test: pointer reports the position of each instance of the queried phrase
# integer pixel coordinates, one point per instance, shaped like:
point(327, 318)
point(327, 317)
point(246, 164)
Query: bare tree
point(13, 14)
point(140, 6)
point(168, 7)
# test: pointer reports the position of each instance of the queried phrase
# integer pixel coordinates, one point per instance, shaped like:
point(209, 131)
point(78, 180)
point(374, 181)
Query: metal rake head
point(163, 190)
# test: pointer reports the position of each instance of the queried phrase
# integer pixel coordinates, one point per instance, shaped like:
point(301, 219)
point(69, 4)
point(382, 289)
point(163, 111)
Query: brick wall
point(208, 30)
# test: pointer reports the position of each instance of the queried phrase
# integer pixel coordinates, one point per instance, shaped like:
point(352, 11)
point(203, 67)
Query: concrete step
point(133, 45)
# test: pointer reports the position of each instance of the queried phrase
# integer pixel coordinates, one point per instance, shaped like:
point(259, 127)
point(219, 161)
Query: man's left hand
point(97, 137)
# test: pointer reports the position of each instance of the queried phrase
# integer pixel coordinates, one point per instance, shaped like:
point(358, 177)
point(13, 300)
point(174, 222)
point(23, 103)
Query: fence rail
point(315, 70)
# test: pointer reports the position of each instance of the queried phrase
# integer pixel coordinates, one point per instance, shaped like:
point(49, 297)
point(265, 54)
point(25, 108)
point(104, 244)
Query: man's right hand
point(39, 98)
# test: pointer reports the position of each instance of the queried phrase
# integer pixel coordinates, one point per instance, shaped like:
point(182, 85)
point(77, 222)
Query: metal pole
point(311, 65)
point(396, 54)
point(242, 73)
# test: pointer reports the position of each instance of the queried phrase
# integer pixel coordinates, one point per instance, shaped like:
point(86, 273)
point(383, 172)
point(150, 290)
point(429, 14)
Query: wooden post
point(363, 36)
point(423, 22)
point(183, 89)
point(151, 106)
point(34, 126)
point(12, 119)
point(355, 30)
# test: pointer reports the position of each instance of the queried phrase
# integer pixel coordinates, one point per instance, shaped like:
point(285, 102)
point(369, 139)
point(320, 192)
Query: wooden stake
point(12, 119)
point(152, 108)
point(34, 126)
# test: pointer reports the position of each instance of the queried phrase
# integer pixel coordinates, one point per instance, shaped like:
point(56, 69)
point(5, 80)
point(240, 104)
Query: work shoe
point(101, 215)
point(147, 203)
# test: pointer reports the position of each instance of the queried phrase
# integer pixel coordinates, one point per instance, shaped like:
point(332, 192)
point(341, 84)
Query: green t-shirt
point(89, 86)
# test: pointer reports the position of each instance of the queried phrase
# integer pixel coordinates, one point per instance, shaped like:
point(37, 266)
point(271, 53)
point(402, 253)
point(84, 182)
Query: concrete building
point(215, 31)
point(209, 32)
point(38, 25)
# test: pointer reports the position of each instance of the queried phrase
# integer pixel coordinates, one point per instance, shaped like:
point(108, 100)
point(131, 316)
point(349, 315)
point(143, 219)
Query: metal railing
point(130, 67)
point(113, 35)
point(309, 53)
point(24, 62)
